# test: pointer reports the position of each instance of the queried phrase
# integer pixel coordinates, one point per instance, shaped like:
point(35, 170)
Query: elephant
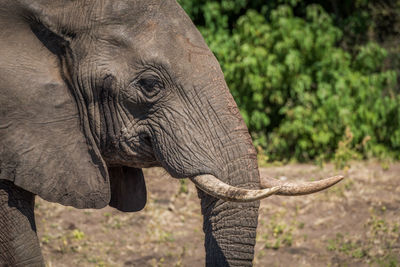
point(94, 91)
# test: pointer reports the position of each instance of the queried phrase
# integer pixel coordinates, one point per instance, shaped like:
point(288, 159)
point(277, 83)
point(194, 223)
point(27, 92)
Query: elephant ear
point(128, 189)
point(43, 146)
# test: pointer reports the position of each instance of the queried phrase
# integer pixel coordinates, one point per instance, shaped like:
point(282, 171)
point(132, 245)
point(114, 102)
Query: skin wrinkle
point(143, 163)
point(103, 126)
point(117, 111)
point(204, 151)
point(239, 250)
point(234, 215)
point(86, 72)
point(162, 144)
point(163, 72)
point(232, 239)
point(227, 167)
point(199, 105)
point(124, 117)
point(178, 161)
point(97, 118)
point(187, 134)
point(107, 125)
point(110, 123)
point(229, 148)
point(176, 144)
point(127, 117)
point(198, 114)
point(115, 125)
point(187, 109)
point(54, 121)
point(224, 222)
point(17, 221)
point(115, 121)
point(226, 208)
point(234, 249)
point(131, 146)
point(183, 150)
point(81, 96)
point(62, 163)
point(216, 115)
point(219, 122)
point(109, 113)
point(240, 262)
point(131, 126)
point(218, 139)
point(95, 106)
point(120, 119)
point(147, 149)
point(247, 237)
point(239, 162)
point(234, 252)
point(116, 117)
point(157, 150)
point(219, 204)
point(191, 118)
point(214, 127)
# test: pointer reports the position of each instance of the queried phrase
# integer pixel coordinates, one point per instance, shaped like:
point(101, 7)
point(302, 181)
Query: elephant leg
point(19, 244)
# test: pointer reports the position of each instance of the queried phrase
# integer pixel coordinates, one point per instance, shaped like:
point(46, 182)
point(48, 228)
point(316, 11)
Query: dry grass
point(356, 223)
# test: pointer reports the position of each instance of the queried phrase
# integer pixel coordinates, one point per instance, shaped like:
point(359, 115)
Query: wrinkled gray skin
point(93, 91)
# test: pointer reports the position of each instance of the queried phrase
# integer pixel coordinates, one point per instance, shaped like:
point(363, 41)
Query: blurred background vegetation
point(314, 80)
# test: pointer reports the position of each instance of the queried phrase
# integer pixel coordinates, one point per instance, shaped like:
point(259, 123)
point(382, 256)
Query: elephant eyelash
point(159, 69)
point(162, 71)
point(149, 85)
point(150, 82)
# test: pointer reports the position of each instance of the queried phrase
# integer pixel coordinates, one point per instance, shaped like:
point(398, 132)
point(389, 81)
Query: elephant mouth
point(134, 151)
point(145, 139)
point(141, 148)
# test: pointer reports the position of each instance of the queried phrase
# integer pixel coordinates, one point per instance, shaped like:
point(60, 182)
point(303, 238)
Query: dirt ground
point(356, 223)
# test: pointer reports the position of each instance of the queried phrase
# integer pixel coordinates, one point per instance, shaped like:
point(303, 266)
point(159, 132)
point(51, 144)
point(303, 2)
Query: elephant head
point(93, 91)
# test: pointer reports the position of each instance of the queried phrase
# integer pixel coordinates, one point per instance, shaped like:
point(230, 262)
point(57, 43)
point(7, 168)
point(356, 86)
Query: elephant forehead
point(157, 26)
point(166, 42)
point(182, 50)
point(139, 26)
point(86, 16)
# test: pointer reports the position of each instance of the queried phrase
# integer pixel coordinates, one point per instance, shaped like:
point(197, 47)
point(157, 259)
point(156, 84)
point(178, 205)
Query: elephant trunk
point(230, 227)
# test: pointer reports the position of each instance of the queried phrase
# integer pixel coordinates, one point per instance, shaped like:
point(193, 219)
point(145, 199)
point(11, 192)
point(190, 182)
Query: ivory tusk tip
point(301, 188)
point(334, 179)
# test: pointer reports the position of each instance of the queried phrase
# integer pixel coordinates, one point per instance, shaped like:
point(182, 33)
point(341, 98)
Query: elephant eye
point(150, 85)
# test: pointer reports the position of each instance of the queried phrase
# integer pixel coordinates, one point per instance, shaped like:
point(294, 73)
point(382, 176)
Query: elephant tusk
point(303, 188)
point(216, 188)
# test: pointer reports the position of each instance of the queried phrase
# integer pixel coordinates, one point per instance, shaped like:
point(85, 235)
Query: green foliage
point(377, 245)
point(344, 153)
point(183, 188)
point(278, 235)
point(78, 234)
point(296, 88)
